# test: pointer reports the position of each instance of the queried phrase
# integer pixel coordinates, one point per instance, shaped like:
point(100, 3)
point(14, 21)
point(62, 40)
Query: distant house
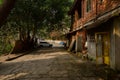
point(96, 22)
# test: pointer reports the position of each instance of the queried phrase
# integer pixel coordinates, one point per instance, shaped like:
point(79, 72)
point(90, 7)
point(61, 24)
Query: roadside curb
point(9, 59)
point(21, 54)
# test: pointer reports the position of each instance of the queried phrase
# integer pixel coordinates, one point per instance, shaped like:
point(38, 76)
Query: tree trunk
point(20, 34)
point(5, 9)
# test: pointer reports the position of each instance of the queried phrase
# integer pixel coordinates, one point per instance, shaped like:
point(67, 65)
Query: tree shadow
point(36, 69)
point(45, 50)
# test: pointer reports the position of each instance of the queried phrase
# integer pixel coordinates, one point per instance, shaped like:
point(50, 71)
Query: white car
point(45, 44)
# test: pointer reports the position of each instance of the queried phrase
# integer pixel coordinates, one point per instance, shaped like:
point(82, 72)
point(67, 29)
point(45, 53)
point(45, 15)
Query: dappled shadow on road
point(37, 68)
point(37, 51)
point(89, 70)
point(50, 64)
point(23, 70)
point(45, 50)
point(52, 67)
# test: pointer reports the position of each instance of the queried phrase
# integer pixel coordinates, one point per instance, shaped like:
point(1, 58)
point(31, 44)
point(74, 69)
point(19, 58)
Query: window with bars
point(88, 5)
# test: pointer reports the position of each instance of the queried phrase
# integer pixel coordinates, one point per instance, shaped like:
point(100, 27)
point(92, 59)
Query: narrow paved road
point(47, 64)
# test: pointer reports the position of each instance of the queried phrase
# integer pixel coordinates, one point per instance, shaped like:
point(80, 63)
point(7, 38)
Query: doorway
point(102, 48)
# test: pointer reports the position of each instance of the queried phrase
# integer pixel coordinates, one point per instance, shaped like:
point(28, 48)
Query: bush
point(5, 49)
point(8, 48)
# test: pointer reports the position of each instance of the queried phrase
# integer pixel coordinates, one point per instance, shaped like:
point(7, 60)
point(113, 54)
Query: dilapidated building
point(96, 22)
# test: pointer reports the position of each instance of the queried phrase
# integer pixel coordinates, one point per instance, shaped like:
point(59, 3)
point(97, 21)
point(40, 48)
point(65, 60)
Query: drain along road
point(47, 64)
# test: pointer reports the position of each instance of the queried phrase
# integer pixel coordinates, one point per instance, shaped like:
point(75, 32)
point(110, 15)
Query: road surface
point(47, 64)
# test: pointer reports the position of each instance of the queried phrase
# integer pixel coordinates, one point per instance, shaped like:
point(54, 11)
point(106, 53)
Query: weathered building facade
point(96, 22)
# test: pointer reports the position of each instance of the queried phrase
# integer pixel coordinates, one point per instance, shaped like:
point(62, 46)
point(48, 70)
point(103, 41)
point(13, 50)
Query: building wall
point(107, 5)
point(87, 16)
point(103, 28)
point(113, 27)
point(97, 9)
point(116, 33)
point(91, 47)
point(80, 38)
point(112, 48)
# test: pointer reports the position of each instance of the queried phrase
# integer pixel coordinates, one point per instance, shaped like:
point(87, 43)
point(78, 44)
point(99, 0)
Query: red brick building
point(96, 22)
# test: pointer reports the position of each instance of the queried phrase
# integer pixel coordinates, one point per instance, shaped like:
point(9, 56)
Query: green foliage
point(5, 45)
point(1, 1)
point(6, 49)
point(36, 17)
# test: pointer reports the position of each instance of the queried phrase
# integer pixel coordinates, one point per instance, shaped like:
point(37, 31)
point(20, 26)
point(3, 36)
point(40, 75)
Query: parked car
point(45, 44)
point(61, 43)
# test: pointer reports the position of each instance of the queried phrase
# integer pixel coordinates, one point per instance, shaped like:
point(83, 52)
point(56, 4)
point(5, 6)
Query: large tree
point(30, 17)
point(5, 8)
